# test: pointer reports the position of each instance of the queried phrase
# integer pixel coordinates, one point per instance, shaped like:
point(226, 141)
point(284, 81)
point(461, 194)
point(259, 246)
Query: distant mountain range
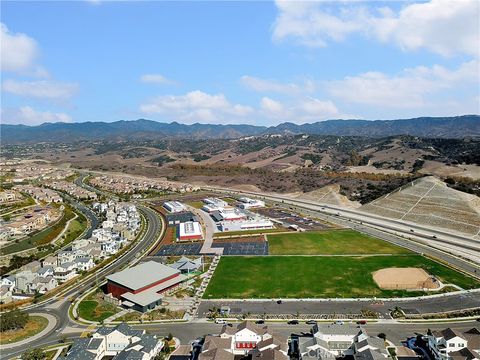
point(432, 127)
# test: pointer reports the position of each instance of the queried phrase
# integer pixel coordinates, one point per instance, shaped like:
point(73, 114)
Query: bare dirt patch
point(404, 279)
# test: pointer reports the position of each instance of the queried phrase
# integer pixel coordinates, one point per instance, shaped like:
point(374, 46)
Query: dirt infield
point(405, 278)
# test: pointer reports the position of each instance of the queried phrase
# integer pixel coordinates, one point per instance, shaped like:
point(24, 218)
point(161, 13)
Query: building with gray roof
point(121, 342)
point(141, 287)
point(186, 265)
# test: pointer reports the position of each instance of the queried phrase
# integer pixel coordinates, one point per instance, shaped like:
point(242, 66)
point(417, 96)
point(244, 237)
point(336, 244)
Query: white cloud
point(40, 89)
point(265, 86)
point(412, 88)
point(19, 53)
point(445, 27)
point(316, 107)
point(156, 79)
point(29, 116)
point(196, 106)
point(310, 24)
point(300, 110)
point(271, 106)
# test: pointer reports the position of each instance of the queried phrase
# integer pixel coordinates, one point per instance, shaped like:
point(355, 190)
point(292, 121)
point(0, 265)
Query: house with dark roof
point(182, 352)
point(451, 344)
point(121, 342)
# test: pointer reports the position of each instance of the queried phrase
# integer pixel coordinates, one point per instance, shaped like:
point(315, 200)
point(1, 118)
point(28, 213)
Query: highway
point(394, 231)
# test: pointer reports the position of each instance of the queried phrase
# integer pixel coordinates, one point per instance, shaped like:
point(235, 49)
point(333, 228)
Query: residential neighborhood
point(121, 226)
point(127, 184)
point(120, 343)
point(73, 190)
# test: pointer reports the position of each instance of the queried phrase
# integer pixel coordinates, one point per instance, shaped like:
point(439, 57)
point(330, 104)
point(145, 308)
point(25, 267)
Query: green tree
point(13, 320)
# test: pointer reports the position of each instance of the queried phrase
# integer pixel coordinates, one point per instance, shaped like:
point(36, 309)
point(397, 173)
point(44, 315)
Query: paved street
point(396, 332)
point(58, 307)
point(291, 307)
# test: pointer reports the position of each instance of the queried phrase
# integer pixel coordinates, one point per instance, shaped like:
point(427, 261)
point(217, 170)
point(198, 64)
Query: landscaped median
point(18, 326)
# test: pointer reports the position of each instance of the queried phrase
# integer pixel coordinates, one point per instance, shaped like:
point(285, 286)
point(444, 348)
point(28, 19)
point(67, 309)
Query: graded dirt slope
point(329, 194)
point(428, 201)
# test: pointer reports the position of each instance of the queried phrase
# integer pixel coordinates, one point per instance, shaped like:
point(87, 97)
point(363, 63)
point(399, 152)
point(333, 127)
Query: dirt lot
point(404, 278)
point(293, 219)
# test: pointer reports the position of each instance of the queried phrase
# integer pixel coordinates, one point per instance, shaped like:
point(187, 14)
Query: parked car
point(293, 322)
point(260, 322)
point(339, 322)
point(311, 322)
point(361, 322)
point(220, 321)
point(279, 301)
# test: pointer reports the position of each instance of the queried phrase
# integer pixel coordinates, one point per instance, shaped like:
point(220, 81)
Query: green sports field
point(317, 276)
point(330, 242)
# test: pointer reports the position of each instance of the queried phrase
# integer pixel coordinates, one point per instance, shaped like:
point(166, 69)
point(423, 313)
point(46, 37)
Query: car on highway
point(362, 322)
point(311, 322)
point(279, 302)
point(259, 322)
point(220, 321)
point(292, 322)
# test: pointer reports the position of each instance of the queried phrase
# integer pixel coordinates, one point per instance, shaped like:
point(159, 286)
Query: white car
point(220, 321)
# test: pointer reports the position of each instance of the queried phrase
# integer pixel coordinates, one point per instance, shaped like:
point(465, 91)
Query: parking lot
point(180, 249)
point(230, 248)
point(291, 218)
point(243, 248)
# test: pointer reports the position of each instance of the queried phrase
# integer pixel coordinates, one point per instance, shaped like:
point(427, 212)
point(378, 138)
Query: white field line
point(423, 196)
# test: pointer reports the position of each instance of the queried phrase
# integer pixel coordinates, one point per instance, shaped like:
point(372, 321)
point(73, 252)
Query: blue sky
point(238, 62)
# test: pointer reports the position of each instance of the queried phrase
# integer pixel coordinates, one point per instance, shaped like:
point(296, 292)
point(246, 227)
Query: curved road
point(59, 307)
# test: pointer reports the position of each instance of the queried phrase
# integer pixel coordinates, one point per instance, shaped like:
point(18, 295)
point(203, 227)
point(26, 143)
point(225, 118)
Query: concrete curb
point(434, 296)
